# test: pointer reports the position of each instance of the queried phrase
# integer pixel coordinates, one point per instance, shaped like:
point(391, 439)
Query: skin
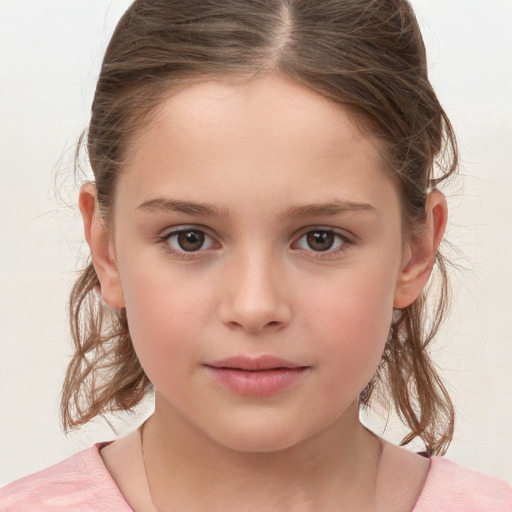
point(256, 151)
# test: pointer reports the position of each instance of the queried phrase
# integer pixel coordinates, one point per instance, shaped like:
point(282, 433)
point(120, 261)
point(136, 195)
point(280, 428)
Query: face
point(257, 249)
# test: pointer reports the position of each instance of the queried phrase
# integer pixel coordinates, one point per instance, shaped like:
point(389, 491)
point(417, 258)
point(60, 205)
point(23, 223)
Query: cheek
point(165, 317)
point(351, 318)
point(351, 300)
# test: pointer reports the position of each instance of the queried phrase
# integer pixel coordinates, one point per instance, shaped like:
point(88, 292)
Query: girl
point(263, 221)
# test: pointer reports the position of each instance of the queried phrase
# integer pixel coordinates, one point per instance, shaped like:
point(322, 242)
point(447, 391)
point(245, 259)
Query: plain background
point(50, 53)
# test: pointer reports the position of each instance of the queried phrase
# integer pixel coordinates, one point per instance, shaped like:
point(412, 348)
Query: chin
point(258, 443)
point(261, 436)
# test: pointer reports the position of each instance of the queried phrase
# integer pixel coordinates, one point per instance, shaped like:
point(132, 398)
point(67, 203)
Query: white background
point(50, 52)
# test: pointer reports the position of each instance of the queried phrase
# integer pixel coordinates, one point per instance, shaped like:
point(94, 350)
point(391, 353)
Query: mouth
point(260, 376)
point(261, 363)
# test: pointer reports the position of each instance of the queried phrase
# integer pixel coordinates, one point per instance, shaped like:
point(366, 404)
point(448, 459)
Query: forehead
point(269, 136)
point(271, 104)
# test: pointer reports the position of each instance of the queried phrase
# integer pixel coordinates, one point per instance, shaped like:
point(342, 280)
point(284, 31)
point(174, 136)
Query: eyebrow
point(334, 207)
point(165, 205)
point(330, 208)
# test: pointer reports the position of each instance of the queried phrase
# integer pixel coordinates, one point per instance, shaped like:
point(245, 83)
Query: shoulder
point(80, 483)
point(453, 488)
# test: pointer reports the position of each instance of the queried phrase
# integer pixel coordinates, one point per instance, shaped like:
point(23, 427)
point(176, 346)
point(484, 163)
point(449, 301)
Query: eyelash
point(343, 242)
point(186, 255)
point(338, 237)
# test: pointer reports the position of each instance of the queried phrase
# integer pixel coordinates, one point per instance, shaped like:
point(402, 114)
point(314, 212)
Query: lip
point(264, 362)
point(256, 376)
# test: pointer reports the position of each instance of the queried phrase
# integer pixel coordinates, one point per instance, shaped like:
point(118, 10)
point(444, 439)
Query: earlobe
point(101, 246)
point(421, 253)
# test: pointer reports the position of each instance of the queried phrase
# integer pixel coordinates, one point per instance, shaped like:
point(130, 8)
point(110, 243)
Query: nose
point(255, 297)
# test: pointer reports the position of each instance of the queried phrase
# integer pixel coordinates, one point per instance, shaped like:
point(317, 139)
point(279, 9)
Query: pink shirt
point(82, 483)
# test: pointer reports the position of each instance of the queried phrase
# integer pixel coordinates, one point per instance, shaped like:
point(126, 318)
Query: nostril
point(253, 313)
point(256, 327)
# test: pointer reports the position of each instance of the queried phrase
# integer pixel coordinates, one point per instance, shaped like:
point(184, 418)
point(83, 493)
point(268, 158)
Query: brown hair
point(366, 55)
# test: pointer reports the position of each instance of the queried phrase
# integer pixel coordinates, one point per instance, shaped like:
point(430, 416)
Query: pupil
point(320, 240)
point(191, 240)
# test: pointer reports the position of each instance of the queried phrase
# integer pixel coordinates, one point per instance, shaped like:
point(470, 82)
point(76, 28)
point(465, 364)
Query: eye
point(188, 240)
point(322, 240)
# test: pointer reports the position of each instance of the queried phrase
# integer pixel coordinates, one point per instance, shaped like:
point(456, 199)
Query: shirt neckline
point(99, 460)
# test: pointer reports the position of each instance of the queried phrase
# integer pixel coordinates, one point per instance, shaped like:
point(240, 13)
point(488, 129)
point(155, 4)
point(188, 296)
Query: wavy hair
point(368, 56)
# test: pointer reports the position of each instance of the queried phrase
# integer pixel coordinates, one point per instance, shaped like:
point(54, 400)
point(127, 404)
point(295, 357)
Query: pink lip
point(260, 376)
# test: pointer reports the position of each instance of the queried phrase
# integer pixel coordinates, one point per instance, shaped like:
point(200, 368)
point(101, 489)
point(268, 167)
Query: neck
point(185, 467)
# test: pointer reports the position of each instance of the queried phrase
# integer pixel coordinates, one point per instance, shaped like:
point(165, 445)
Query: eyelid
point(176, 230)
point(346, 238)
point(182, 227)
point(343, 233)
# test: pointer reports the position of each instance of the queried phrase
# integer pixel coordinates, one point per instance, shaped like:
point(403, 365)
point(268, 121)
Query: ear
point(101, 245)
point(421, 252)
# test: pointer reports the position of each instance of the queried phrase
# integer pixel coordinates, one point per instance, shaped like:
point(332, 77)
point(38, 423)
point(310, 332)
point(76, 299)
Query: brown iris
point(191, 240)
point(320, 240)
